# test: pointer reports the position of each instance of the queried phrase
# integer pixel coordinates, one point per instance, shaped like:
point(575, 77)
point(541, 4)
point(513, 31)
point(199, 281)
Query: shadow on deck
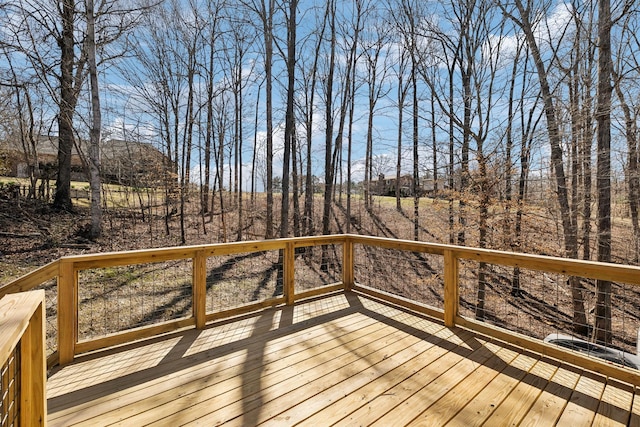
point(344, 359)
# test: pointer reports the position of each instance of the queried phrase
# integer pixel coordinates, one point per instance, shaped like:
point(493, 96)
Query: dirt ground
point(32, 234)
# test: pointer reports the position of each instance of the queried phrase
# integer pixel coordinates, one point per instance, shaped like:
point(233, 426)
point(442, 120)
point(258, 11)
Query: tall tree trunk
point(528, 127)
point(586, 154)
point(416, 166)
point(633, 174)
point(267, 16)
point(255, 150)
point(401, 97)
point(602, 331)
point(569, 228)
point(451, 165)
point(508, 175)
point(239, 139)
point(586, 141)
point(352, 106)
point(328, 166)
point(96, 125)
point(434, 143)
point(308, 223)
point(68, 98)
point(289, 126)
point(464, 165)
point(187, 143)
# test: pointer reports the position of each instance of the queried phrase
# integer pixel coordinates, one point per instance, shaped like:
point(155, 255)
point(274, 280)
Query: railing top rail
point(183, 252)
point(15, 312)
point(31, 279)
point(582, 268)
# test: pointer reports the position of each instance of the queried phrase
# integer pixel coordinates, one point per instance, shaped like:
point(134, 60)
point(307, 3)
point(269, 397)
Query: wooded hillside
point(285, 98)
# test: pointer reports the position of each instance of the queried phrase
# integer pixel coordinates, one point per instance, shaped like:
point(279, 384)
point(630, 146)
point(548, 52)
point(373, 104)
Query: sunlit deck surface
point(344, 359)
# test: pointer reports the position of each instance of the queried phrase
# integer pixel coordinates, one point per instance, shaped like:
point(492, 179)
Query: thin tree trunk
point(268, 42)
point(416, 166)
point(289, 127)
point(96, 126)
point(633, 175)
point(569, 228)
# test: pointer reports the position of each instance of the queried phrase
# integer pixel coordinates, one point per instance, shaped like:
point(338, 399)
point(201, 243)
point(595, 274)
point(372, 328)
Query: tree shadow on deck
point(252, 396)
point(253, 347)
point(175, 361)
point(476, 350)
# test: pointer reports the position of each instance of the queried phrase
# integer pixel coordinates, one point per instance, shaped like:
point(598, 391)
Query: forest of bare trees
point(483, 99)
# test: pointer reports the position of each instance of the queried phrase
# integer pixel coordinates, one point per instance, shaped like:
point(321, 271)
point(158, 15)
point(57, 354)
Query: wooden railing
point(22, 359)
point(450, 257)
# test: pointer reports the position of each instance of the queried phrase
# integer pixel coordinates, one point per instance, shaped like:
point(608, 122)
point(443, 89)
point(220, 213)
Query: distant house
point(384, 186)
point(133, 163)
point(123, 162)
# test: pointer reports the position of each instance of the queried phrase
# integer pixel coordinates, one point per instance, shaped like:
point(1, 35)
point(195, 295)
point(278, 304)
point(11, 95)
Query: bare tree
point(96, 124)
point(265, 11)
point(402, 90)
point(408, 22)
point(521, 16)
point(375, 59)
point(624, 88)
point(52, 38)
point(289, 127)
point(27, 128)
point(328, 102)
point(602, 330)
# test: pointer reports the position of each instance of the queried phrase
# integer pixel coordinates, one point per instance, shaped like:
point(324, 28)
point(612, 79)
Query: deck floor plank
point(396, 395)
point(553, 399)
point(333, 392)
point(377, 388)
point(615, 406)
point(476, 411)
point(584, 401)
point(274, 400)
point(169, 378)
point(634, 419)
point(424, 397)
point(243, 394)
point(513, 409)
point(457, 398)
point(344, 359)
point(231, 364)
point(241, 374)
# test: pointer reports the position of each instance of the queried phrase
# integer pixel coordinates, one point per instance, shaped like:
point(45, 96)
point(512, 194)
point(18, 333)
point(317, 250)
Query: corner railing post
point(289, 260)
point(451, 288)
point(200, 289)
point(67, 311)
point(347, 263)
point(33, 369)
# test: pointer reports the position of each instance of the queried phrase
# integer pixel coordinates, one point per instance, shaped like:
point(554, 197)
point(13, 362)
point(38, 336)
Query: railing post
point(347, 263)
point(289, 260)
point(451, 288)
point(200, 289)
point(33, 369)
point(67, 311)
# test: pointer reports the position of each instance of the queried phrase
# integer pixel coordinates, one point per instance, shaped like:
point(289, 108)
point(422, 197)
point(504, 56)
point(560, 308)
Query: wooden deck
point(344, 359)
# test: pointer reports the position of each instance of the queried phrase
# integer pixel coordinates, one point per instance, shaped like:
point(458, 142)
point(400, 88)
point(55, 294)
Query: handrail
point(22, 329)
point(66, 270)
point(31, 279)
